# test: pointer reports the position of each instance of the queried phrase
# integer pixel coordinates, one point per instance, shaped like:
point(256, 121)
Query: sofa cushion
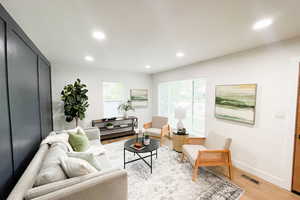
point(89, 157)
point(52, 187)
point(153, 131)
point(105, 163)
point(79, 141)
point(93, 134)
point(74, 167)
point(159, 122)
point(51, 170)
point(191, 151)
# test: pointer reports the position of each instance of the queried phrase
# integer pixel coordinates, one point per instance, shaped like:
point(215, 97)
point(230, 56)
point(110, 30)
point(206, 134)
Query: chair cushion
point(153, 131)
point(215, 141)
point(191, 151)
point(159, 122)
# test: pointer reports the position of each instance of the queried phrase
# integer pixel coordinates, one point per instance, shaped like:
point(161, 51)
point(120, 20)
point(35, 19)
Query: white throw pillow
point(74, 167)
point(89, 157)
point(50, 174)
point(62, 137)
point(51, 170)
point(96, 150)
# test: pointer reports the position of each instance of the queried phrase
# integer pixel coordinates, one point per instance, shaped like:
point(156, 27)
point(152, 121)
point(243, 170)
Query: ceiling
point(150, 32)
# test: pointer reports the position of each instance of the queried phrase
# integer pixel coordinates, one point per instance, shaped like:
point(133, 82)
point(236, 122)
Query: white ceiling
point(150, 32)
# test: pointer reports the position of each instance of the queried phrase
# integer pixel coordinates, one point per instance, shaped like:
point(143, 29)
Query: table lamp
point(180, 114)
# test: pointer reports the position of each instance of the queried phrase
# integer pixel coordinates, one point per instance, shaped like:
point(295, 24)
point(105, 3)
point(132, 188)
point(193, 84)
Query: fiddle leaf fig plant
point(75, 101)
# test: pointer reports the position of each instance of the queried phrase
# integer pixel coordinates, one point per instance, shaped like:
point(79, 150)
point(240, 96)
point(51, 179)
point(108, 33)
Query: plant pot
point(147, 141)
point(125, 115)
point(109, 127)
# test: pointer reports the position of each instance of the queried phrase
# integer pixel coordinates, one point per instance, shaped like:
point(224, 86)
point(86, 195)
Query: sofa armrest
point(110, 186)
point(195, 140)
point(92, 133)
point(148, 125)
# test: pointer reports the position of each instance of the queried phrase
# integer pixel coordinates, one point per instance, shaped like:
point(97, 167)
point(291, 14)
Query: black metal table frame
point(141, 158)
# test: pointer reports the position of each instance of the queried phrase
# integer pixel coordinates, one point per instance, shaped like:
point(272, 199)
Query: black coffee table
point(153, 146)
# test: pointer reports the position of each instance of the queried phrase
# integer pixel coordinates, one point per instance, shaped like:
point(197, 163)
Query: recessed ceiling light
point(99, 35)
point(264, 23)
point(89, 58)
point(147, 66)
point(179, 54)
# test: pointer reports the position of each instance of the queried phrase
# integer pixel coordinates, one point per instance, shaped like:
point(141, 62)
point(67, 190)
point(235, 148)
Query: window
point(189, 94)
point(113, 96)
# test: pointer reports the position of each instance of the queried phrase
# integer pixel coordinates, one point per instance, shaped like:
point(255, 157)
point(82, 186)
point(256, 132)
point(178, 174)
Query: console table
point(122, 127)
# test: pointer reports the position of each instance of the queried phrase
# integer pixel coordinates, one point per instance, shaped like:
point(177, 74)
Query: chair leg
point(195, 173)
point(229, 166)
point(230, 171)
point(182, 157)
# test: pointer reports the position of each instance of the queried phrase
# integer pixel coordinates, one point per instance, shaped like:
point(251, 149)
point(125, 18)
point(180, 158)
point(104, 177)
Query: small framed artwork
point(139, 97)
point(236, 102)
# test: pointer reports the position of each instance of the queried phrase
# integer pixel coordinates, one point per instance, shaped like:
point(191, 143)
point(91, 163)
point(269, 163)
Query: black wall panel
point(45, 98)
point(24, 101)
point(6, 166)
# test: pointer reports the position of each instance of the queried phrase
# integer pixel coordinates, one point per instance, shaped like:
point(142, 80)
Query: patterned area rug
point(171, 179)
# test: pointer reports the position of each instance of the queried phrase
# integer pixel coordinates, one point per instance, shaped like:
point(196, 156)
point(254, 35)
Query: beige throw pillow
point(49, 175)
point(89, 157)
point(51, 170)
point(74, 167)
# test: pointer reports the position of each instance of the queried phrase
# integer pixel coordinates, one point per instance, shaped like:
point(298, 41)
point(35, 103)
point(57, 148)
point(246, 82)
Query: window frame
point(193, 132)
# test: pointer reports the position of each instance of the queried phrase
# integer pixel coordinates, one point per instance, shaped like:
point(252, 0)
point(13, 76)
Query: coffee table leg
point(151, 162)
point(124, 158)
point(156, 154)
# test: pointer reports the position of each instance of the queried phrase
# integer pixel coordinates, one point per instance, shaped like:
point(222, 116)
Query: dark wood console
point(121, 127)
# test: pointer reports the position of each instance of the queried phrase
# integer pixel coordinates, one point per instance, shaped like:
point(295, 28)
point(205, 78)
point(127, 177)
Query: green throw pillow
point(78, 141)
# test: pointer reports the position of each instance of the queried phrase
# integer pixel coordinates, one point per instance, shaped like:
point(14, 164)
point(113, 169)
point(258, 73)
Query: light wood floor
point(263, 191)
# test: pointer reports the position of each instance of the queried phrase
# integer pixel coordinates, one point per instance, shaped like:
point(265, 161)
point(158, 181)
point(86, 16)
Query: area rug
point(171, 179)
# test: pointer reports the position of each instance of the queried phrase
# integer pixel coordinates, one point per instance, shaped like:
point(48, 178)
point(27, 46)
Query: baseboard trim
point(262, 174)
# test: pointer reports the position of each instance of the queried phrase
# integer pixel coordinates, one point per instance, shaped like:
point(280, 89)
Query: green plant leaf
point(75, 100)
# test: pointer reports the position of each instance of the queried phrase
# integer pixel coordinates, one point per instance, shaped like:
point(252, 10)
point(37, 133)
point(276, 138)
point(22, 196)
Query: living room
point(218, 97)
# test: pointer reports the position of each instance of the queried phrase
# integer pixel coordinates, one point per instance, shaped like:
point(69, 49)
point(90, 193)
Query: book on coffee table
point(137, 148)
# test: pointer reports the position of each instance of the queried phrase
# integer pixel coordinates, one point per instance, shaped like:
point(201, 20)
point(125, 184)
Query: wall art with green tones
point(236, 102)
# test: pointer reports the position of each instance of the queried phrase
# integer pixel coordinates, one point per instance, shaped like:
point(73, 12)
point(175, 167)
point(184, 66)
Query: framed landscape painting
point(139, 97)
point(236, 102)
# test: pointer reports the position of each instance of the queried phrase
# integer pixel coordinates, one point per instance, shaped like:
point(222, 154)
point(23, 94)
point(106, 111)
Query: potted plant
point(125, 107)
point(146, 139)
point(109, 125)
point(75, 101)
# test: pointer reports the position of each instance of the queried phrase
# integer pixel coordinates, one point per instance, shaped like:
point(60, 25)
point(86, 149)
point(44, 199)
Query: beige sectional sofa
point(108, 184)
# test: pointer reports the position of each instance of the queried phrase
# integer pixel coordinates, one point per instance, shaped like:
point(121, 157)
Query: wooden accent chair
point(210, 151)
point(159, 127)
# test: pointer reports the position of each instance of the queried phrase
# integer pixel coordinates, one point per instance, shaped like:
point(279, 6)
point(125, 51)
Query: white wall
point(93, 78)
point(265, 149)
